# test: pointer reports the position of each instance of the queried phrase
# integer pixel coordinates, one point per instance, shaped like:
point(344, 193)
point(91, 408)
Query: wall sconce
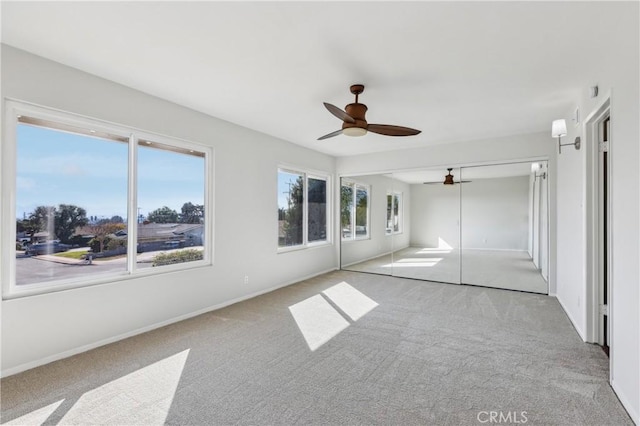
point(558, 130)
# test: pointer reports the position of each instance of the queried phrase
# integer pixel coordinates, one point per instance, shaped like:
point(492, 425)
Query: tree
point(117, 219)
point(346, 204)
point(361, 207)
point(102, 234)
point(192, 213)
point(67, 218)
point(163, 215)
point(293, 215)
point(41, 219)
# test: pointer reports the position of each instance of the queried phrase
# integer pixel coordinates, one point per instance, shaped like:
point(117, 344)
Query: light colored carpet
point(382, 351)
point(511, 270)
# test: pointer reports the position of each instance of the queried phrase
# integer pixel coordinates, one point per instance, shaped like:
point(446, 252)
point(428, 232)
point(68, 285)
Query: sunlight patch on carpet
point(351, 301)
point(141, 397)
point(36, 417)
point(319, 321)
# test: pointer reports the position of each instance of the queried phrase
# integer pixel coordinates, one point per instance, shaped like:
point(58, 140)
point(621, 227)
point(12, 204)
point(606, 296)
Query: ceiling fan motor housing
point(357, 111)
point(448, 179)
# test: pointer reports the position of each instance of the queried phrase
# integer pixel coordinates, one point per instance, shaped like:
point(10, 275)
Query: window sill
point(35, 289)
point(350, 240)
point(304, 246)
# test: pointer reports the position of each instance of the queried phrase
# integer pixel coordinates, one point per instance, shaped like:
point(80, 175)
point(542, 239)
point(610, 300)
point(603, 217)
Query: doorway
point(603, 232)
point(599, 224)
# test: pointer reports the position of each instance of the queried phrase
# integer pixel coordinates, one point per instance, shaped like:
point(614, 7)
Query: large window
point(394, 213)
point(354, 210)
point(302, 209)
point(94, 200)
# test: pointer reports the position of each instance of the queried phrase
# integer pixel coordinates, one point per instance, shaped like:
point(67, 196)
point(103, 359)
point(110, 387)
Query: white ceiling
point(456, 70)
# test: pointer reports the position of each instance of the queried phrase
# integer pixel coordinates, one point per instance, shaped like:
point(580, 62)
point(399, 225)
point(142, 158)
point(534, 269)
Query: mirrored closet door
point(366, 246)
point(504, 226)
point(484, 225)
point(427, 246)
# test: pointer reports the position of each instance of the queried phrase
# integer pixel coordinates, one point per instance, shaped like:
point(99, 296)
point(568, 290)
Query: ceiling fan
point(354, 123)
point(448, 180)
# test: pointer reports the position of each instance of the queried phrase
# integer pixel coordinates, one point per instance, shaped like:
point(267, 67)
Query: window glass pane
point(362, 199)
point(171, 188)
point(346, 210)
point(389, 226)
point(317, 208)
point(397, 200)
point(71, 199)
point(290, 208)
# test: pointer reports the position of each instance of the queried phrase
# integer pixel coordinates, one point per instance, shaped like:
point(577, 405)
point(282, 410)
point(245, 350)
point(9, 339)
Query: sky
point(55, 167)
point(284, 179)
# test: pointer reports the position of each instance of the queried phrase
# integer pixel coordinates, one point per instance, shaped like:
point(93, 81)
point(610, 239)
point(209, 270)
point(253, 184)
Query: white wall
point(435, 215)
point(379, 242)
point(617, 76)
point(42, 328)
point(495, 213)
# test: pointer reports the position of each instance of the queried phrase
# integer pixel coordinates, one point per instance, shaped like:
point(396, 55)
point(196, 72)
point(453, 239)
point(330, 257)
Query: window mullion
point(354, 192)
point(132, 204)
point(305, 210)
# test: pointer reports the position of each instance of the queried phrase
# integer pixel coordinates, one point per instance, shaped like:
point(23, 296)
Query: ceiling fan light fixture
point(354, 131)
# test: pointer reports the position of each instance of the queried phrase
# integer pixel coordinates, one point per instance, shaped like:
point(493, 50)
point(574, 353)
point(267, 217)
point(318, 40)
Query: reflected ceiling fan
point(448, 180)
point(354, 123)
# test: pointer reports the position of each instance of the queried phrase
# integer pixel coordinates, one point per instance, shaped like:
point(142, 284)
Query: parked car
point(47, 247)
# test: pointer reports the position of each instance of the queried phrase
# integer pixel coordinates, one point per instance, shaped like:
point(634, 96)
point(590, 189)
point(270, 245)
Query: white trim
point(84, 348)
point(400, 230)
point(306, 175)
point(355, 186)
point(592, 214)
point(14, 109)
point(346, 175)
point(132, 204)
point(368, 258)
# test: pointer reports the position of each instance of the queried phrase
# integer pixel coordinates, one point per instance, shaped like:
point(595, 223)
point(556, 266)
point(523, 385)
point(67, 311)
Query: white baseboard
point(368, 258)
point(66, 354)
point(572, 320)
point(625, 403)
point(493, 249)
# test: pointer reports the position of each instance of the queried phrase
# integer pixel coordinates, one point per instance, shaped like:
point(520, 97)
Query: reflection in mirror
point(431, 239)
point(365, 244)
point(504, 232)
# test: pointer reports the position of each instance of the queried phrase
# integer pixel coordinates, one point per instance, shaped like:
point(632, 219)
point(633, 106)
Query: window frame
point(393, 195)
point(307, 174)
point(355, 186)
point(14, 110)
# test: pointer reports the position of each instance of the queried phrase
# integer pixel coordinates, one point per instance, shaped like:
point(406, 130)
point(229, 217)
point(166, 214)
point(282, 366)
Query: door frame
point(595, 244)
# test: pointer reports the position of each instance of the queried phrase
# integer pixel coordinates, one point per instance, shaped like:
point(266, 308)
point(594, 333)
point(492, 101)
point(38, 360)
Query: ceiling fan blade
point(440, 183)
point(389, 130)
point(330, 135)
point(339, 113)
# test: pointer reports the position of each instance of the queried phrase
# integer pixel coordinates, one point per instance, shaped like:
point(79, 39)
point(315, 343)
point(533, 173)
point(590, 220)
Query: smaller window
point(302, 209)
point(354, 211)
point(394, 213)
